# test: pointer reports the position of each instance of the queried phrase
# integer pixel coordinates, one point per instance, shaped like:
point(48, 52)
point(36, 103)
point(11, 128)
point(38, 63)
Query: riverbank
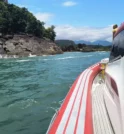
point(26, 45)
point(69, 45)
point(30, 46)
point(87, 48)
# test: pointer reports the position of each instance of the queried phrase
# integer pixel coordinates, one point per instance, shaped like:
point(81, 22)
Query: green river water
point(32, 89)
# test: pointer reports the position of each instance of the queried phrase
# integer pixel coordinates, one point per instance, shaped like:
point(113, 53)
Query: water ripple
point(32, 89)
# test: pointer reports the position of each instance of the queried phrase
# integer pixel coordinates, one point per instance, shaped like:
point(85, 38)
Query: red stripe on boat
point(88, 126)
point(80, 107)
point(62, 109)
point(73, 105)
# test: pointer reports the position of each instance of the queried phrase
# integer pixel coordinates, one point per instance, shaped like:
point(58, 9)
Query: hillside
point(64, 42)
point(102, 42)
point(83, 42)
point(22, 34)
point(16, 20)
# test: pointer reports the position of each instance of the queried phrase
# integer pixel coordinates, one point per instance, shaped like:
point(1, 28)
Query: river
point(32, 88)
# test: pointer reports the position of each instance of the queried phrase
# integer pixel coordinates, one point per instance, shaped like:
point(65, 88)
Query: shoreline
point(24, 46)
point(5, 56)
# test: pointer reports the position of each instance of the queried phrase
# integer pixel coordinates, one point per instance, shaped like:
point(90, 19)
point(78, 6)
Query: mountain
point(97, 42)
point(83, 42)
point(102, 42)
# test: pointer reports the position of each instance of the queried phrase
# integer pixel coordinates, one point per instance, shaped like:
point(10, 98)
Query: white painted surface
point(81, 120)
point(69, 106)
point(116, 71)
point(101, 122)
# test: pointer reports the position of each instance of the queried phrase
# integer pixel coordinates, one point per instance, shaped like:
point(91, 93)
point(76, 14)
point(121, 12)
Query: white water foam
point(23, 104)
point(22, 60)
point(101, 52)
point(30, 55)
point(8, 56)
point(64, 58)
point(55, 109)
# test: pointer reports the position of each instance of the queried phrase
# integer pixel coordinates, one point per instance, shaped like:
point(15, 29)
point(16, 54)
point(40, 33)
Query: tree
point(53, 34)
point(80, 45)
point(16, 20)
point(50, 33)
point(1, 0)
point(3, 18)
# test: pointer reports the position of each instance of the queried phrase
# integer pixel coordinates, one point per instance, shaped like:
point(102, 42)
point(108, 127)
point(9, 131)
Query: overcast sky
point(88, 20)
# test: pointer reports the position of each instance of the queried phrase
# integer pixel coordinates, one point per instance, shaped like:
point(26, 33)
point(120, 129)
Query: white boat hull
point(94, 105)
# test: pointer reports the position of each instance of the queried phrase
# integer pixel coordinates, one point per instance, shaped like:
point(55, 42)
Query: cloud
point(43, 16)
point(69, 3)
point(84, 33)
point(22, 5)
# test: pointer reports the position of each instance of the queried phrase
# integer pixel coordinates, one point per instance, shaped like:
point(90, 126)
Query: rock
point(9, 45)
point(1, 42)
point(8, 37)
point(2, 50)
point(23, 45)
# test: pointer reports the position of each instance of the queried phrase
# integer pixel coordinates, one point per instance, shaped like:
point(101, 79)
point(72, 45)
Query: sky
point(87, 20)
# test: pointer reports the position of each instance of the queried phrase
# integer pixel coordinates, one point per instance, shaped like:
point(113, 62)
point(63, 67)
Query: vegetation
point(65, 42)
point(67, 45)
point(92, 48)
point(16, 20)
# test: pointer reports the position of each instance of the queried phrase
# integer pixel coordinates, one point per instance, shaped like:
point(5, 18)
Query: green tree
point(3, 18)
point(1, 0)
point(16, 20)
point(50, 33)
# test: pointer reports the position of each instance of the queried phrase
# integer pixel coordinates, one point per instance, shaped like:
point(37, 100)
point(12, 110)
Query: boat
point(95, 102)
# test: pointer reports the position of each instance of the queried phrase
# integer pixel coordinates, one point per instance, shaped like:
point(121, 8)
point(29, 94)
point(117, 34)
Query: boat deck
point(101, 122)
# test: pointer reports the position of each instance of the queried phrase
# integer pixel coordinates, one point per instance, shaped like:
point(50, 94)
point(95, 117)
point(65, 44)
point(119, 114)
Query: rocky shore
point(25, 45)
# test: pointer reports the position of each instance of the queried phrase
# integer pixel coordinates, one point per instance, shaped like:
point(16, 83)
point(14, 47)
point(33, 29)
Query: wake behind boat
point(95, 102)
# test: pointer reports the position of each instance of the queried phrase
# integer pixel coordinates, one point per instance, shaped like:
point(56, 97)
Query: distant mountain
point(83, 42)
point(102, 42)
point(97, 42)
